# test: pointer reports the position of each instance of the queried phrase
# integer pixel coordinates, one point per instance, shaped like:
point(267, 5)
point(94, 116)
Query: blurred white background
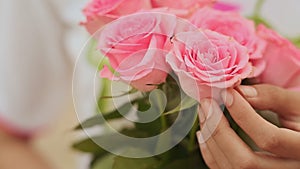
point(283, 15)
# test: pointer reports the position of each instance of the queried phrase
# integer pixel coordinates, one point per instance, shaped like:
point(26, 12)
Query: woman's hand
point(281, 101)
point(16, 154)
point(225, 150)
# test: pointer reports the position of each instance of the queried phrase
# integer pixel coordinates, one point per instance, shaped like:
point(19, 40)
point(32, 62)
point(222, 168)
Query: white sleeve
point(35, 72)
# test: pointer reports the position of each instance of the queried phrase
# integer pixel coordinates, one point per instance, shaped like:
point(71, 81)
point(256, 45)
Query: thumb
point(269, 97)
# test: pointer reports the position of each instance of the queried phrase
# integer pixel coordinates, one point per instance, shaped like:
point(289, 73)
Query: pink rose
point(232, 24)
point(226, 6)
point(136, 46)
point(182, 8)
point(101, 12)
point(283, 60)
point(207, 62)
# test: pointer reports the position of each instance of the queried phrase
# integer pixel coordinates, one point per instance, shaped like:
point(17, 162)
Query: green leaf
point(89, 146)
point(177, 152)
point(187, 102)
point(135, 163)
point(194, 161)
point(164, 140)
point(193, 144)
point(133, 90)
point(119, 162)
point(151, 128)
point(158, 102)
point(134, 133)
point(105, 162)
point(98, 120)
point(173, 92)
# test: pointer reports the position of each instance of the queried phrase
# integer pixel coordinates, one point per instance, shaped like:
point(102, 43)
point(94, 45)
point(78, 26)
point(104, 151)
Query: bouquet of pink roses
point(172, 54)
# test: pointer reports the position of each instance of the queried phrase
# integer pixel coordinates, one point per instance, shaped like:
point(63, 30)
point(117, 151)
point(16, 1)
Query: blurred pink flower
point(207, 62)
point(183, 8)
point(101, 12)
point(232, 24)
point(283, 60)
point(226, 6)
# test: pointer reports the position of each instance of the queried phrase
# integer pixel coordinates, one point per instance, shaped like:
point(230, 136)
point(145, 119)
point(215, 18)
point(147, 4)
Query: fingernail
point(206, 107)
point(201, 115)
point(227, 97)
point(248, 91)
point(200, 137)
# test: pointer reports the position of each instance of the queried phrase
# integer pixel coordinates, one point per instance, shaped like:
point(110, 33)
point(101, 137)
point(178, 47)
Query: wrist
point(8, 130)
point(4, 137)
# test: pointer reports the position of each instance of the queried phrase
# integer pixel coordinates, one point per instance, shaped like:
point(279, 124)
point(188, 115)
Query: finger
point(268, 97)
point(226, 140)
point(294, 125)
point(238, 153)
point(207, 156)
point(279, 100)
point(213, 155)
point(269, 161)
point(282, 142)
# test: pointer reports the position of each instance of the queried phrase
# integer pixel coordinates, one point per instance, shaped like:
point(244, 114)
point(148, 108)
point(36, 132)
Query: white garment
point(34, 69)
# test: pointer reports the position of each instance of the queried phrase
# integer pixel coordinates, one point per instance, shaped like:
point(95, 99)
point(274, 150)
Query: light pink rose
point(207, 62)
point(101, 12)
point(182, 8)
point(283, 60)
point(136, 46)
point(232, 24)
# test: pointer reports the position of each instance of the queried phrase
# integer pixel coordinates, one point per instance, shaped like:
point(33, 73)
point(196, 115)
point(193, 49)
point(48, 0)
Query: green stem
point(258, 8)
point(191, 144)
point(165, 156)
point(162, 117)
point(296, 41)
point(91, 53)
point(103, 104)
point(163, 123)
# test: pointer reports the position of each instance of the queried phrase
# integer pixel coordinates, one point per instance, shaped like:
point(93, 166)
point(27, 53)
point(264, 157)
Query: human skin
point(280, 146)
point(16, 153)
